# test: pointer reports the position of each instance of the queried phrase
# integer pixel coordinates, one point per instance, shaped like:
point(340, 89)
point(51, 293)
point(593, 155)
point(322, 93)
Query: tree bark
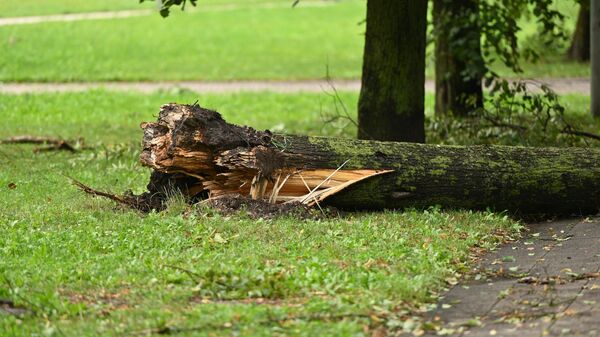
point(391, 103)
point(459, 65)
point(580, 44)
point(219, 159)
point(595, 57)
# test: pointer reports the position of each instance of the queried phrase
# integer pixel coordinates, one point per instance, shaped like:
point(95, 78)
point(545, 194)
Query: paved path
point(27, 20)
point(548, 284)
point(560, 85)
point(197, 86)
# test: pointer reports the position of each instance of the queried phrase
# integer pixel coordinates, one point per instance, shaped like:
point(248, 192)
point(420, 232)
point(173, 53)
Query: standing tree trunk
point(595, 57)
point(580, 45)
point(459, 65)
point(391, 103)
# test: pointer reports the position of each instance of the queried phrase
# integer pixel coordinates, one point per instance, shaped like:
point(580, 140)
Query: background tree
point(471, 36)
point(391, 102)
point(580, 43)
point(459, 65)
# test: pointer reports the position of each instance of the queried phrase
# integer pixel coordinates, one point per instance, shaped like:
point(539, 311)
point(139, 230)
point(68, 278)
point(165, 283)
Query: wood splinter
point(220, 159)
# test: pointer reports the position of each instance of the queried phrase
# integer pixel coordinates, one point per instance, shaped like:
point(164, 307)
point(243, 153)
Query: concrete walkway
point(547, 284)
point(27, 20)
point(560, 85)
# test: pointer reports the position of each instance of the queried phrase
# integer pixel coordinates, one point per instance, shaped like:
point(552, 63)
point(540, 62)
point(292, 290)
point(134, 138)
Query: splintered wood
point(231, 160)
point(307, 186)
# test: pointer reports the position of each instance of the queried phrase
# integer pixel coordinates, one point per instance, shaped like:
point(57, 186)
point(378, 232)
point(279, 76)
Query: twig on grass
point(191, 274)
point(280, 321)
point(9, 306)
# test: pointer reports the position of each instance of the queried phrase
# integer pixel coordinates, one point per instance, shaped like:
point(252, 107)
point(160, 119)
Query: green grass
point(72, 115)
point(87, 268)
point(114, 117)
point(250, 42)
point(225, 45)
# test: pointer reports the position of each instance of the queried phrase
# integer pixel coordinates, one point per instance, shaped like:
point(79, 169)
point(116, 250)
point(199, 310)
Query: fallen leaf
point(446, 332)
point(451, 281)
point(570, 312)
point(218, 238)
point(418, 332)
point(473, 322)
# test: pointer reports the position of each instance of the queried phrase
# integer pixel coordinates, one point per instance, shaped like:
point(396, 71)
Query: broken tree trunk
point(196, 146)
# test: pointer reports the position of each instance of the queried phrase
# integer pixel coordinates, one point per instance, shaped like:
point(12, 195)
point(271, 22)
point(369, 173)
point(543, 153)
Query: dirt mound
point(261, 208)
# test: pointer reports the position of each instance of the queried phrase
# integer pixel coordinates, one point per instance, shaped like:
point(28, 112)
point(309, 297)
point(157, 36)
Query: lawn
point(83, 266)
point(86, 267)
point(241, 42)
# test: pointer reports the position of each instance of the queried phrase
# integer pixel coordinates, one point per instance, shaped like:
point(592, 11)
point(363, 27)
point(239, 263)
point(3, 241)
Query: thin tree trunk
point(580, 44)
point(391, 103)
point(459, 65)
point(595, 57)
point(219, 159)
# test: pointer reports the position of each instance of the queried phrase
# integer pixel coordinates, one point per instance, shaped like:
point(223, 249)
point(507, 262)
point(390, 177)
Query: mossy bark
point(518, 179)
point(459, 65)
point(190, 142)
point(391, 103)
point(580, 44)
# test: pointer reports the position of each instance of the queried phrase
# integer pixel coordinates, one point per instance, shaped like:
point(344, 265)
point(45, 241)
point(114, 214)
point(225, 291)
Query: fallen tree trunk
point(195, 148)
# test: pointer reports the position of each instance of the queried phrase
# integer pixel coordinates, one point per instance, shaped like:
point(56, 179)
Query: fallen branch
point(569, 131)
point(220, 159)
point(56, 144)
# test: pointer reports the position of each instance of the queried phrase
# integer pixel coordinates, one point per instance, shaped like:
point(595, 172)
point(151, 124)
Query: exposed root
point(145, 202)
